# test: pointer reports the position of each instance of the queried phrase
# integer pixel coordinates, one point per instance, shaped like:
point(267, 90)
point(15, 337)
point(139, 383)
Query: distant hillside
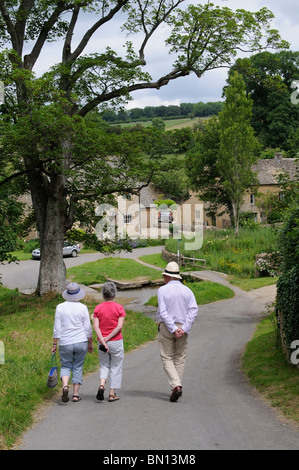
point(171, 112)
point(170, 124)
point(180, 123)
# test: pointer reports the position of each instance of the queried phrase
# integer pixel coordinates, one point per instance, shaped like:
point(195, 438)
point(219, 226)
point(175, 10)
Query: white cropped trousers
point(112, 362)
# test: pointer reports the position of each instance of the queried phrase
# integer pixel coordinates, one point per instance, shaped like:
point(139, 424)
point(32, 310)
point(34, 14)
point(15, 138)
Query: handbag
point(102, 348)
point(52, 379)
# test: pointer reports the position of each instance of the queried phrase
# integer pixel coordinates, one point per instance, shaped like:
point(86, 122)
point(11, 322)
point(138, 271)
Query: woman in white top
point(72, 328)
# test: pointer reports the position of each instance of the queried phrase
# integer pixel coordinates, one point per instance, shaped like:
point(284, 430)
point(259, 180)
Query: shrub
point(288, 284)
point(288, 308)
point(289, 239)
point(31, 245)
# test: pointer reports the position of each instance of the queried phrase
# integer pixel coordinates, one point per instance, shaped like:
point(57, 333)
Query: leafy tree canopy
point(269, 78)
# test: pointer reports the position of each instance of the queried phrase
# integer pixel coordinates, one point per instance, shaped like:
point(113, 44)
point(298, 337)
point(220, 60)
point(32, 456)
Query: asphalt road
point(24, 274)
point(218, 409)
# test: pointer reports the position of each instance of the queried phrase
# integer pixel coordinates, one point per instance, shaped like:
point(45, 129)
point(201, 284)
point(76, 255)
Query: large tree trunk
point(52, 268)
point(51, 210)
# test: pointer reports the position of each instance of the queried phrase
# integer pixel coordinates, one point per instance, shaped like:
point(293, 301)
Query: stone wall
point(168, 256)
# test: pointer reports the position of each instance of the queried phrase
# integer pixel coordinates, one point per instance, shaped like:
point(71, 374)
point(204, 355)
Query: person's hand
point(105, 344)
point(179, 333)
point(54, 349)
point(90, 348)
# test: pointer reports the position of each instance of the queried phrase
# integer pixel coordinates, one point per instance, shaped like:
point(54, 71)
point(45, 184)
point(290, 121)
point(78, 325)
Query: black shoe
point(100, 394)
point(176, 393)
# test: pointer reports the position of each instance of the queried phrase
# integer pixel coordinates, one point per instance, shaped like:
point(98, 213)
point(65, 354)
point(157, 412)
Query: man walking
point(177, 310)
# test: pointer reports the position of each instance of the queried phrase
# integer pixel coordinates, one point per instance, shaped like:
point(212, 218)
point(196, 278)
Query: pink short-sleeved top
point(108, 314)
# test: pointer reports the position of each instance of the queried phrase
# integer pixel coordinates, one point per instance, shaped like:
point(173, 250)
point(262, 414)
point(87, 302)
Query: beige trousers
point(173, 354)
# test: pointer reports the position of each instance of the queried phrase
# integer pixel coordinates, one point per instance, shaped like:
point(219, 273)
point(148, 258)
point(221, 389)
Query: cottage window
point(281, 196)
point(127, 219)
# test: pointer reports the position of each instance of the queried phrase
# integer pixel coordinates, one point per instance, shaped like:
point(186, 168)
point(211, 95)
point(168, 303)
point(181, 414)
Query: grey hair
point(109, 290)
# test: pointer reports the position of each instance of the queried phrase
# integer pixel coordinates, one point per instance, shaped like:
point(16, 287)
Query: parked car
point(165, 216)
point(68, 250)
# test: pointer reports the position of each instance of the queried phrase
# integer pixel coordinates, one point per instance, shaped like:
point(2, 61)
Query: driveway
point(218, 409)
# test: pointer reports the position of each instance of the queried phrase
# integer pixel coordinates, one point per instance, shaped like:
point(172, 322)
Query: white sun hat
point(172, 270)
point(73, 292)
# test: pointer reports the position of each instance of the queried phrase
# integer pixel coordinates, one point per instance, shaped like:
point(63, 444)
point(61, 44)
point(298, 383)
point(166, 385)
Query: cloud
point(159, 62)
point(210, 86)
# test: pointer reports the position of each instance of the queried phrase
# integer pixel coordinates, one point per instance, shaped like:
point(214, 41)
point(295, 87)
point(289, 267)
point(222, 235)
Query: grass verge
point(120, 269)
point(205, 292)
point(252, 283)
point(268, 371)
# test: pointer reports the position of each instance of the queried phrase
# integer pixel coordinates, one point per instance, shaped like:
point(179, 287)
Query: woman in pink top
point(108, 320)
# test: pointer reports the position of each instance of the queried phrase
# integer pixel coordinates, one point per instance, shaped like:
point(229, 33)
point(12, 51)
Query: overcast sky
point(191, 89)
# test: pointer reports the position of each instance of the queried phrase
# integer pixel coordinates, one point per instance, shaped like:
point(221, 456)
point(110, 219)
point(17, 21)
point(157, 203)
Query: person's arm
point(54, 345)
point(116, 330)
point(163, 314)
point(56, 331)
point(191, 314)
point(97, 329)
point(88, 329)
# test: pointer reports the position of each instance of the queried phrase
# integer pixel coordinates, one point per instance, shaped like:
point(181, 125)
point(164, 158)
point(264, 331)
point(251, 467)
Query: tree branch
point(68, 39)
point(83, 43)
point(129, 89)
point(11, 177)
point(10, 26)
point(30, 59)
point(158, 21)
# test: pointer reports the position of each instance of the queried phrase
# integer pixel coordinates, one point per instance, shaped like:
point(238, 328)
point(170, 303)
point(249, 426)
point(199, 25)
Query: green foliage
point(268, 77)
point(247, 221)
point(289, 239)
point(288, 283)
point(288, 307)
point(184, 110)
point(31, 245)
point(238, 145)
point(225, 253)
point(165, 202)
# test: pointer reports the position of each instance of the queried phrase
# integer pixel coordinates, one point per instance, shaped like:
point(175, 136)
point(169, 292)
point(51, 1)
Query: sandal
point(65, 394)
point(100, 394)
point(113, 398)
point(77, 398)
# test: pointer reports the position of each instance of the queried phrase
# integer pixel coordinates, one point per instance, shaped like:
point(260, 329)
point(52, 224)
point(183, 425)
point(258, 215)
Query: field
point(170, 124)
